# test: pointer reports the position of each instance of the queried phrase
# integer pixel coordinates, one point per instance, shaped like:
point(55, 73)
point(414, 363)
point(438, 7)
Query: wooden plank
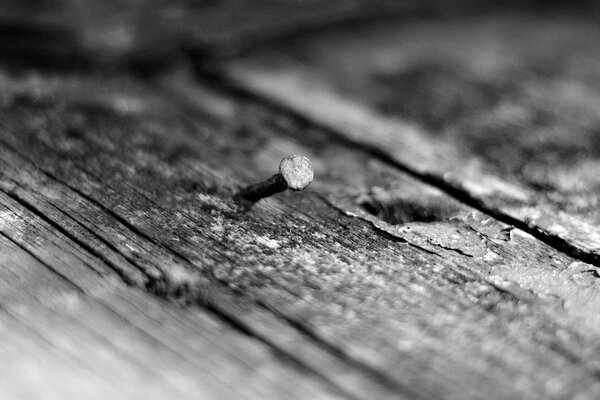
point(111, 237)
point(90, 334)
point(108, 238)
point(498, 110)
point(413, 313)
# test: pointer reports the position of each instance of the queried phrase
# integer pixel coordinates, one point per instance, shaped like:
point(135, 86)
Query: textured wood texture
point(140, 176)
point(499, 110)
point(412, 267)
point(69, 332)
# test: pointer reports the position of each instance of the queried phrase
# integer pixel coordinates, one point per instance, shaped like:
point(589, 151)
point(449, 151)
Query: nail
point(295, 173)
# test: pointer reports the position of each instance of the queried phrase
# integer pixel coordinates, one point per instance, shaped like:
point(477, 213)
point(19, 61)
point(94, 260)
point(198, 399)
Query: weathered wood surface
point(68, 332)
point(128, 271)
point(500, 110)
point(136, 178)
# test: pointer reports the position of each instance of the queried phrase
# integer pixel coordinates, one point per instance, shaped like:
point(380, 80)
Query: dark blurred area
point(146, 35)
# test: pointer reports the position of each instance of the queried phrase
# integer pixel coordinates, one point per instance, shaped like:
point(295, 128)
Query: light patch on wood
point(522, 234)
point(267, 242)
point(209, 199)
point(9, 220)
point(218, 227)
point(486, 185)
point(557, 229)
point(490, 256)
point(128, 104)
point(177, 276)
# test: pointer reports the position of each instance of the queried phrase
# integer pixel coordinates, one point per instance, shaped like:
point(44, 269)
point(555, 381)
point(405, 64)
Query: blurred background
point(151, 33)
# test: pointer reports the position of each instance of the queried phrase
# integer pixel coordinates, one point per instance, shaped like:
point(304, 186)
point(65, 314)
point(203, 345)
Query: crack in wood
point(160, 286)
point(127, 278)
point(62, 276)
point(221, 81)
point(408, 277)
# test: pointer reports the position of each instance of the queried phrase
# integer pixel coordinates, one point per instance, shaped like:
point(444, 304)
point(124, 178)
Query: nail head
point(297, 171)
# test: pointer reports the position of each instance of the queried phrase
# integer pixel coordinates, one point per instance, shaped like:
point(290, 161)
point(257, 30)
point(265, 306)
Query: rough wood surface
point(72, 328)
point(498, 110)
point(370, 285)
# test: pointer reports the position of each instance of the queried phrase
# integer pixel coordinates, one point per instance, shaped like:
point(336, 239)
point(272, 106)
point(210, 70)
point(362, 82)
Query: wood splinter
point(295, 173)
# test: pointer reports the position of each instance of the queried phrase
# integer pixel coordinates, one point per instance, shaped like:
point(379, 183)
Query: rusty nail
point(295, 173)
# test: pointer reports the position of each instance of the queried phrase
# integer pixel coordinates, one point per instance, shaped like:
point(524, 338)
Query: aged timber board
point(500, 110)
point(141, 174)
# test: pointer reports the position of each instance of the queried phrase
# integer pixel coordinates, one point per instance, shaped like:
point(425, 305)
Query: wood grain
point(72, 328)
point(140, 176)
point(498, 110)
